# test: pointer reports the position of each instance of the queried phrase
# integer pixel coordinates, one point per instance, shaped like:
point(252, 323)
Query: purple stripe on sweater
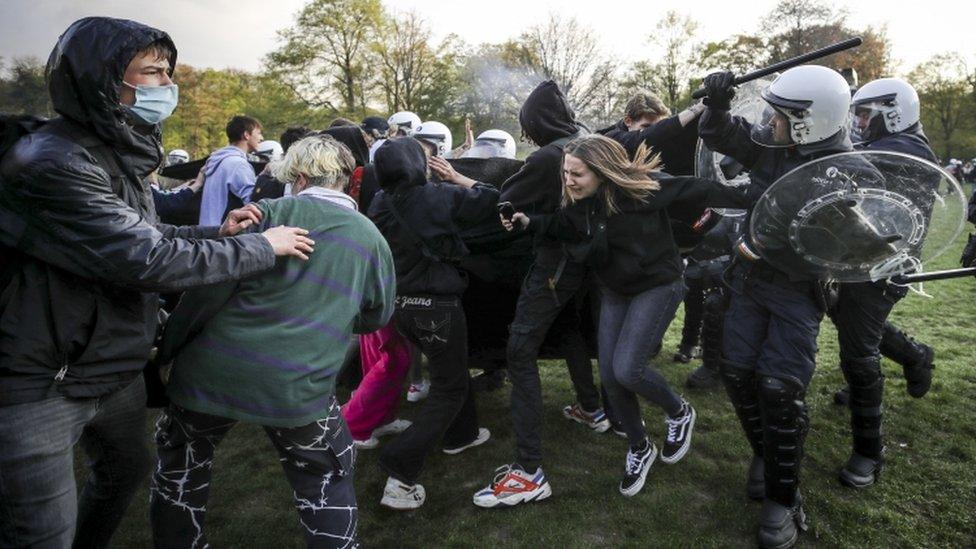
point(353, 295)
point(347, 243)
point(253, 356)
point(254, 407)
point(302, 322)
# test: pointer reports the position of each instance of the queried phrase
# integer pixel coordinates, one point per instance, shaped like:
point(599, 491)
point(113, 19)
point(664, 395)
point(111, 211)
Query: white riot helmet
point(885, 106)
point(177, 156)
point(269, 150)
point(492, 144)
point(404, 121)
point(806, 104)
point(436, 134)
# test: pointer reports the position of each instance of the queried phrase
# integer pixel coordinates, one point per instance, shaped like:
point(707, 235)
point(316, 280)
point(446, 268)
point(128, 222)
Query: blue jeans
point(39, 506)
point(631, 327)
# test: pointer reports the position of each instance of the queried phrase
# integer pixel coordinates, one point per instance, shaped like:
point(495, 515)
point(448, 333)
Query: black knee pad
point(862, 372)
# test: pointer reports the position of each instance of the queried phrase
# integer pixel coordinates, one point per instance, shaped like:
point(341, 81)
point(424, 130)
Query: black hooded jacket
point(422, 221)
point(549, 121)
point(675, 143)
point(81, 248)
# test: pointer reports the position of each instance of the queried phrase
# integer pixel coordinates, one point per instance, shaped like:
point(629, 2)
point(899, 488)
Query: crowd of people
point(291, 261)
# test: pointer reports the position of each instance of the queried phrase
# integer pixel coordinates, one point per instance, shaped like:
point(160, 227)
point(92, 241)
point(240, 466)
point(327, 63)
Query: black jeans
point(538, 306)
point(436, 324)
point(317, 459)
point(39, 506)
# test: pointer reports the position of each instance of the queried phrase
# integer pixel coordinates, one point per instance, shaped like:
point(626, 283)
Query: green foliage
point(22, 88)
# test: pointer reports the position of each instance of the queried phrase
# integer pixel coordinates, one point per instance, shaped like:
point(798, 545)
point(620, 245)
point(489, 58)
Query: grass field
point(926, 497)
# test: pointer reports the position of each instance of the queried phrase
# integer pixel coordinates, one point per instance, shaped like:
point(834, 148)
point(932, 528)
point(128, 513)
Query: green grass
point(926, 497)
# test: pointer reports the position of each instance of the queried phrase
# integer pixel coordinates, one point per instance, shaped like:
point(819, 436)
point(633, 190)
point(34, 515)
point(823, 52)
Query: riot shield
point(858, 216)
point(712, 165)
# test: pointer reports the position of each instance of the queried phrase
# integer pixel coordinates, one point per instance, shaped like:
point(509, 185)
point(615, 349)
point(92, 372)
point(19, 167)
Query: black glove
point(969, 252)
point(720, 87)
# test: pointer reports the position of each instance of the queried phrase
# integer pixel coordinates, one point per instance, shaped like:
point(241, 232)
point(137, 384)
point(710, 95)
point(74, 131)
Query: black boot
point(915, 358)
point(867, 388)
point(704, 377)
point(687, 352)
point(740, 384)
point(842, 396)
point(785, 423)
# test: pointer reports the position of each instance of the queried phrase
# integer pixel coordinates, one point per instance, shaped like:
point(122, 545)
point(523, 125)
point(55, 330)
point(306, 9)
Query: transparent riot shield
point(858, 216)
point(748, 104)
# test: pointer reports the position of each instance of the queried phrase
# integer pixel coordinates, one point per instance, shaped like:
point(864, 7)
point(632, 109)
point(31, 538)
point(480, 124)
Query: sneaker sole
point(514, 500)
point(599, 427)
point(686, 446)
point(639, 485)
point(397, 505)
point(476, 442)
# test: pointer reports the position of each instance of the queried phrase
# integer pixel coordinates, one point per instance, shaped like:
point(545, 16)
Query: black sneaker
point(635, 471)
point(678, 440)
point(687, 353)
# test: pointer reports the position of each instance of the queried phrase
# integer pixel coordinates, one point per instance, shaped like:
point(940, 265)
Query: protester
point(553, 281)
point(266, 186)
point(278, 373)
point(422, 221)
point(615, 212)
point(83, 258)
point(230, 177)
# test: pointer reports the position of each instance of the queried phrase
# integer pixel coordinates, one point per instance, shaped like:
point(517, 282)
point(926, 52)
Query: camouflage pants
point(317, 459)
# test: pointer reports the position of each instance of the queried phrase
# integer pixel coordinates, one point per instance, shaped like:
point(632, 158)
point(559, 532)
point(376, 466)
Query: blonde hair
point(321, 159)
point(617, 173)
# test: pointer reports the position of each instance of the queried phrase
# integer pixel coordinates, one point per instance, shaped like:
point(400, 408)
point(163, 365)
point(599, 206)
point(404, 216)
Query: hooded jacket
point(549, 121)
point(230, 182)
point(675, 143)
point(422, 221)
point(82, 251)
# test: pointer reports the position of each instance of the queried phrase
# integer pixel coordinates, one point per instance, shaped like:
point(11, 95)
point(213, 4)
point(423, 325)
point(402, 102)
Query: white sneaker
point(418, 391)
point(483, 436)
point(394, 427)
point(513, 486)
point(402, 497)
point(368, 444)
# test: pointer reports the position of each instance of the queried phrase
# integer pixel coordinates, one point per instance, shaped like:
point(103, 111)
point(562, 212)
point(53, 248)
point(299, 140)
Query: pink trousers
point(385, 356)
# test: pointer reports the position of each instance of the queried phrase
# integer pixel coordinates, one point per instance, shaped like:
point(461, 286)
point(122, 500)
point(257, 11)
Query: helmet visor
point(868, 120)
point(772, 129)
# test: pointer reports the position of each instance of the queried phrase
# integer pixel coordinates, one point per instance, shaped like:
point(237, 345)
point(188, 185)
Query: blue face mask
point(153, 103)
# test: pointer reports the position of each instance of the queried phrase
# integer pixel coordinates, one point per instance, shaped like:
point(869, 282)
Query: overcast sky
point(238, 33)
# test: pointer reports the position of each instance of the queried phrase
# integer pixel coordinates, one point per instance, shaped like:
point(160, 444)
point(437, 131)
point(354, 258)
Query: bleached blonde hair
point(321, 159)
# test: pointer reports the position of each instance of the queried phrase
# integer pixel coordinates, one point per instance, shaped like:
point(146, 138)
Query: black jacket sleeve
point(679, 195)
point(75, 221)
point(474, 205)
point(536, 187)
point(729, 135)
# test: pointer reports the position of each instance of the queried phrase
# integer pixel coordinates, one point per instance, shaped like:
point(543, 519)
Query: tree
point(943, 90)
point(740, 54)
point(563, 50)
point(324, 54)
point(22, 88)
point(790, 25)
point(674, 34)
point(408, 65)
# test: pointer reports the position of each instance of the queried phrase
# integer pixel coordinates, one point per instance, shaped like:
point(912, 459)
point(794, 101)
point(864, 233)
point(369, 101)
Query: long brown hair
point(614, 168)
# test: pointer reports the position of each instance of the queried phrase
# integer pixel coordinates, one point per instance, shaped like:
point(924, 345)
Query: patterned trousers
point(317, 459)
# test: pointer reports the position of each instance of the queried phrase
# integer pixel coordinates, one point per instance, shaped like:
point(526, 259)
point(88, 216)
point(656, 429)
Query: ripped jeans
point(317, 459)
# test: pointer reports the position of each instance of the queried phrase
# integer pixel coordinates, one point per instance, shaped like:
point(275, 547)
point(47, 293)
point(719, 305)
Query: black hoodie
point(546, 119)
point(425, 251)
point(352, 138)
point(78, 316)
